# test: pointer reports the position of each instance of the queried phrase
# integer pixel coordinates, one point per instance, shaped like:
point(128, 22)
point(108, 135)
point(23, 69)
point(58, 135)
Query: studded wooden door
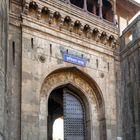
point(74, 118)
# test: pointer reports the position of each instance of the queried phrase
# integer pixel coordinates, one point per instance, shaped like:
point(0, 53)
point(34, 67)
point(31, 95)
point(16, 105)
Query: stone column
point(85, 5)
point(114, 19)
point(100, 8)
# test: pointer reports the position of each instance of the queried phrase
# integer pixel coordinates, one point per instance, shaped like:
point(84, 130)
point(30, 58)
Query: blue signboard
point(75, 60)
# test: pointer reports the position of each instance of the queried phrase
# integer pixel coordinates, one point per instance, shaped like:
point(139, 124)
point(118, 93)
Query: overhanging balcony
point(65, 15)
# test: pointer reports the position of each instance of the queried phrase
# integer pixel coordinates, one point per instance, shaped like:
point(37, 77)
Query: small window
point(107, 11)
point(128, 38)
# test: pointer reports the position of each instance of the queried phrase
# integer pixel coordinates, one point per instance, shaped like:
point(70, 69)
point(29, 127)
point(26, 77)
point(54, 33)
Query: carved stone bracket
point(55, 17)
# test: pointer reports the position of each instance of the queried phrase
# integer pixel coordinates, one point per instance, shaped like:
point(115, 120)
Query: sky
point(137, 1)
point(58, 133)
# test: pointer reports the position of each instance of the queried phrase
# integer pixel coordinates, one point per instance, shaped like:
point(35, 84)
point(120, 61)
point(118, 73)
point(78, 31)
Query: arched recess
point(93, 7)
point(87, 89)
point(107, 10)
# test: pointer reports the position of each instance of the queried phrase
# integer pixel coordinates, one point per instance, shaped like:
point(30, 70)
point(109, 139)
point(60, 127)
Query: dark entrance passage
point(65, 104)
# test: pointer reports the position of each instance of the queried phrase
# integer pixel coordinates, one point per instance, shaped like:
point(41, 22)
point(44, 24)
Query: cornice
point(34, 25)
point(63, 21)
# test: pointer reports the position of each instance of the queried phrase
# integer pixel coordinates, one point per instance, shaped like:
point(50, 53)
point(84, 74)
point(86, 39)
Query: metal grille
point(73, 118)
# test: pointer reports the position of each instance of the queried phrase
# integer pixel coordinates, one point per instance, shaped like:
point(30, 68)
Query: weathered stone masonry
point(3, 67)
point(32, 66)
point(130, 70)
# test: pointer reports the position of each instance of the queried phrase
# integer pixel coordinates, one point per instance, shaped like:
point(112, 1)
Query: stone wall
point(130, 69)
point(43, 47)
point(36, 47)
point(14, 82)
point(3, 65)
point(14, 71)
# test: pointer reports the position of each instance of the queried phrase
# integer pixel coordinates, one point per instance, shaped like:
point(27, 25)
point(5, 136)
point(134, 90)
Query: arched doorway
point(58, 129)
point(83, 89)
point(66, 104)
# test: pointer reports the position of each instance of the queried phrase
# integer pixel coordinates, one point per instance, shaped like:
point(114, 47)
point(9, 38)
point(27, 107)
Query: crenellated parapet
point(63, 21)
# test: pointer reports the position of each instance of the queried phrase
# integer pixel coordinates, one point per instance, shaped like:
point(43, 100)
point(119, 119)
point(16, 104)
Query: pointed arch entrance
point(66, 84)
point(66, 104)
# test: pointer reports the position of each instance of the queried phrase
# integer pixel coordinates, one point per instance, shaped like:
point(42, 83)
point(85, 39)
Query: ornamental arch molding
point(87, 90)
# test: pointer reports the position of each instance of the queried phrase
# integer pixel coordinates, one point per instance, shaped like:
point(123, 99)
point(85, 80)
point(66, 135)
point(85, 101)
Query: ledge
point(58, 19)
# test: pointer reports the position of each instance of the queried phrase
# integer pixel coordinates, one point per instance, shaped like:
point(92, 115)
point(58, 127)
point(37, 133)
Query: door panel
point(74, 120)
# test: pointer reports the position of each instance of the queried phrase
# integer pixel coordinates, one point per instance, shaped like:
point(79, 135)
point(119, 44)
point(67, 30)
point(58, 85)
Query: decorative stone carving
point(65, 77)
point(66, 23)
point(45, 11)
point(33, 6)
point(42, 58)
point(67, 20)
point(72, 79)
point(103, 37)
point(87, 31)
point(77, 24)
point(57, 17)
point(86, 28)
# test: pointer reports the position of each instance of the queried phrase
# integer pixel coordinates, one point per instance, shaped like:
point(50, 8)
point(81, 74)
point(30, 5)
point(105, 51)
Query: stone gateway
point(77, 61)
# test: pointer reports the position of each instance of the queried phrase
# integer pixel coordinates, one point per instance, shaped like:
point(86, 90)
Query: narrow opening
point(90, 6)
point(58, 129)
point(129, 66)
point(13, 49)
point(50, 49)
point(32, 43)
point(128, 38)
point(93, 7)
point(55, 111)
point(116, 75)
point(108, 66)
point(97, 63)
point(107, 11)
